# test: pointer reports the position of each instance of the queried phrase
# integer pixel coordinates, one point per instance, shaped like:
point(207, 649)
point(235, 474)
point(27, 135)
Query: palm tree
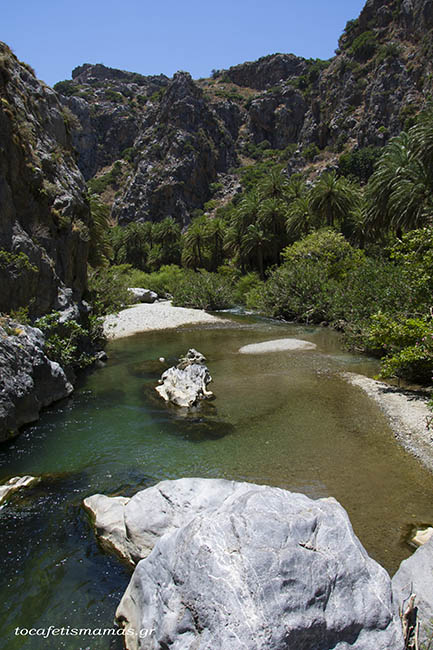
point(234, 242)
point(216, 230)
point(194, 243)
point(400, 189)
point(274, 185)
point(272, 217)
point(332, 198)
point(100, 247)
point(135, 246)
point(248, 209)
point(300, 219)
point(256, 241)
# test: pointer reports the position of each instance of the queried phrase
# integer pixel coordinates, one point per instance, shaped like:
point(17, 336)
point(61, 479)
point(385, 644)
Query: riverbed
point(287, 419)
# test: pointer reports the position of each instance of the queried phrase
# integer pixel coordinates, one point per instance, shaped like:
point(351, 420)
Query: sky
point(163, 36)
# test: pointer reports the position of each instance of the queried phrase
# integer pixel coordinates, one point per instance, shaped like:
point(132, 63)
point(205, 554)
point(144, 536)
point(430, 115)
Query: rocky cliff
point(173, 138)
point(44, 215)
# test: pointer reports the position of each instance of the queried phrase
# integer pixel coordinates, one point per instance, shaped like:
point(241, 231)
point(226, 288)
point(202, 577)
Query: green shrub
point(108, 289)
point(163, 282)
point(407, 345)
point(364, 46)
point(203, 290)
point(327, 247)
point(245, 286)
point(360, 163)
point(64, 342)
point(16, 263)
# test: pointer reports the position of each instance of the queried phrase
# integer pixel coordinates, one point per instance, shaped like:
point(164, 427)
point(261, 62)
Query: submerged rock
point(278, 345)
point(415, 576)
point(235, 565)
point(15, 484)
point(186, 383)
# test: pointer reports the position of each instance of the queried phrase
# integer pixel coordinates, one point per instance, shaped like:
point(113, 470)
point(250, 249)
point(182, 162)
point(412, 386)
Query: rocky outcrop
point(183, 145)
point(29, 380)
point(44, 216)
point(236, 565)
point(267, 71)
point(15, 484)
point(186, 383)
point(415, 576)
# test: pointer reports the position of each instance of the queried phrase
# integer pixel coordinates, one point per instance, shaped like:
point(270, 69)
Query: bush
point(326, 247)
point(407, 345)
point(245, 286)
point(364, 46)
point(203, 290)
point(65, 341)
point(108, 289)
point(163, 282)
point(360, 163)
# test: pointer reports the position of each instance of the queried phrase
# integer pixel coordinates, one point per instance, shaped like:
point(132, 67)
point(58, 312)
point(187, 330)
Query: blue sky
point(155, 36)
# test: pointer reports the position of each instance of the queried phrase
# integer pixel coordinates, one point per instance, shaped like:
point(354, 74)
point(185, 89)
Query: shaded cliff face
point(176, 137)
point(44, 216)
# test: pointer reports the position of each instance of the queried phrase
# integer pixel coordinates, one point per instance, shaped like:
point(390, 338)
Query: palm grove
point(352, 248)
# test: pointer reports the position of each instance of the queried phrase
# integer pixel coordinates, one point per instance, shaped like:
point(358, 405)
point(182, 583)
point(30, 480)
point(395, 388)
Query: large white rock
point(239, 566)
point(278, 345)
point(15, 484)
point(415, 576)
point(143, 295)
point(186, 383)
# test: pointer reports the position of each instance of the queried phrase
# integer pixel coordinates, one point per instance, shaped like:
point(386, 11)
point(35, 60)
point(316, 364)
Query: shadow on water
point(196, 424)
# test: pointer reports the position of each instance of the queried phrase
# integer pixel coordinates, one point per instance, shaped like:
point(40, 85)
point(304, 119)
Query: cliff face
point(176, 137)
point(44, 216)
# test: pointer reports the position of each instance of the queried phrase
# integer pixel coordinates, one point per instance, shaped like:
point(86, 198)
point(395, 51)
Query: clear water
point(285, 419)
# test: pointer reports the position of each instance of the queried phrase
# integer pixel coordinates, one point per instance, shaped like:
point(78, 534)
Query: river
point(285, 419)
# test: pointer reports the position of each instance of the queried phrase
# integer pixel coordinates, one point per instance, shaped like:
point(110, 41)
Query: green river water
point(285, 419)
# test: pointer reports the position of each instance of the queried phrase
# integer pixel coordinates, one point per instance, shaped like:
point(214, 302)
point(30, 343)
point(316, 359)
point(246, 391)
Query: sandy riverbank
point(407, 412)
point(156, 316)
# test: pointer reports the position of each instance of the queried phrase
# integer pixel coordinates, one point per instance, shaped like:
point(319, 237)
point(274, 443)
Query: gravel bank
point(407, 412)
point(156, 316)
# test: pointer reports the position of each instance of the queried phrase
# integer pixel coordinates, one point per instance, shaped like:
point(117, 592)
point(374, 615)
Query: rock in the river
point(186, 383)
point(143, 295)
point(415, 576)
point(29, 380)
point(422, 536)
point(278, 345)
point(237, 565)
point(15, 484)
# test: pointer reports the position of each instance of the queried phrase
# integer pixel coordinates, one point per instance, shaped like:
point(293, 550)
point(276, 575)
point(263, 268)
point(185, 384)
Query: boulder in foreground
point(415, 576)
point(237, 565)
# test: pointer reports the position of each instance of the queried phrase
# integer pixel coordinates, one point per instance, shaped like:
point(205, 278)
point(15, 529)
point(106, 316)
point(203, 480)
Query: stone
point(30, 380)
point(422, 536)
point(186, 384)
point(278, 345)
point(15, 484)
point(143, 295)
point(107, 514)
point(235, 565)
point(415, 576)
